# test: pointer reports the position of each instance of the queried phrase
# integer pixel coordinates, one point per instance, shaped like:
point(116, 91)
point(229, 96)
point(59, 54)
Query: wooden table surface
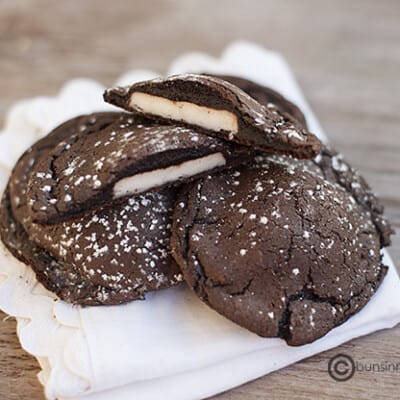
point(346, 55)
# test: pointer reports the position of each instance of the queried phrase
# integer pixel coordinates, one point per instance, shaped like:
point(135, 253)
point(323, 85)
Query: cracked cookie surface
point(278, 250)
point(107, 256)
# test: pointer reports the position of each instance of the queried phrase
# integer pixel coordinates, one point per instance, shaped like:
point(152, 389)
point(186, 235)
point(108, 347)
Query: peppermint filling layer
point(205, 117)
point(151, 179)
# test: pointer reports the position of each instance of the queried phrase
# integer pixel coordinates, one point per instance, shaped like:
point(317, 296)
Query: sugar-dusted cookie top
point(276, 249)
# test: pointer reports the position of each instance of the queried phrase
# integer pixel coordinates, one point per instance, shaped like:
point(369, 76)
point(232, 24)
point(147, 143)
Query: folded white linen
point(170, 346)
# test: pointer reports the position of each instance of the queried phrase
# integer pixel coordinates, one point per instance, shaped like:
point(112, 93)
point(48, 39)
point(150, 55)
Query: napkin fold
point(171, 345)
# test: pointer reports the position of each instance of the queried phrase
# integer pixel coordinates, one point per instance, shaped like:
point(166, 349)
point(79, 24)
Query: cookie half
point(220, 109)
point(101, 163)
point(107, 256)
point(278, 250)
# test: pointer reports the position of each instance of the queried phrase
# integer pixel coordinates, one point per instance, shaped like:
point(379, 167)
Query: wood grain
point(347, 59)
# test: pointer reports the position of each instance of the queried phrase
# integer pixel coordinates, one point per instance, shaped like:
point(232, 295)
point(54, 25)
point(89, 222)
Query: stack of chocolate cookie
point(212, 180)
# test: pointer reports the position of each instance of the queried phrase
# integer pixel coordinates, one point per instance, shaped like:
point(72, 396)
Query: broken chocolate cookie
point(98, 164)
point(276, 249)
point(107, 256)
point(220, 109)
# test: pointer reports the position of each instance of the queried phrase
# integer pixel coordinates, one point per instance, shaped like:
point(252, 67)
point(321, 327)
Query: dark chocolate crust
point(80, 172)
point(276, 249)
point(267, 97)
point(108, 256)
point(260, 126)
point(332, 166)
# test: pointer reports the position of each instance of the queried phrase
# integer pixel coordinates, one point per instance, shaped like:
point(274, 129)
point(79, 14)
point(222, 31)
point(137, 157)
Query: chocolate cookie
point(220, 109)
point(267, 97)
point(100, 163)
point(107, 256)
point(278, 250)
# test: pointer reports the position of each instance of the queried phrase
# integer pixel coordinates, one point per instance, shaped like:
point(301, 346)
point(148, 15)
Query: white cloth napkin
point(170, 346)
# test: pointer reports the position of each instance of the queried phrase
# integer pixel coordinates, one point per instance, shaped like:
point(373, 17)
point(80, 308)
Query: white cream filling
point(151, 179)
point(205, 117)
